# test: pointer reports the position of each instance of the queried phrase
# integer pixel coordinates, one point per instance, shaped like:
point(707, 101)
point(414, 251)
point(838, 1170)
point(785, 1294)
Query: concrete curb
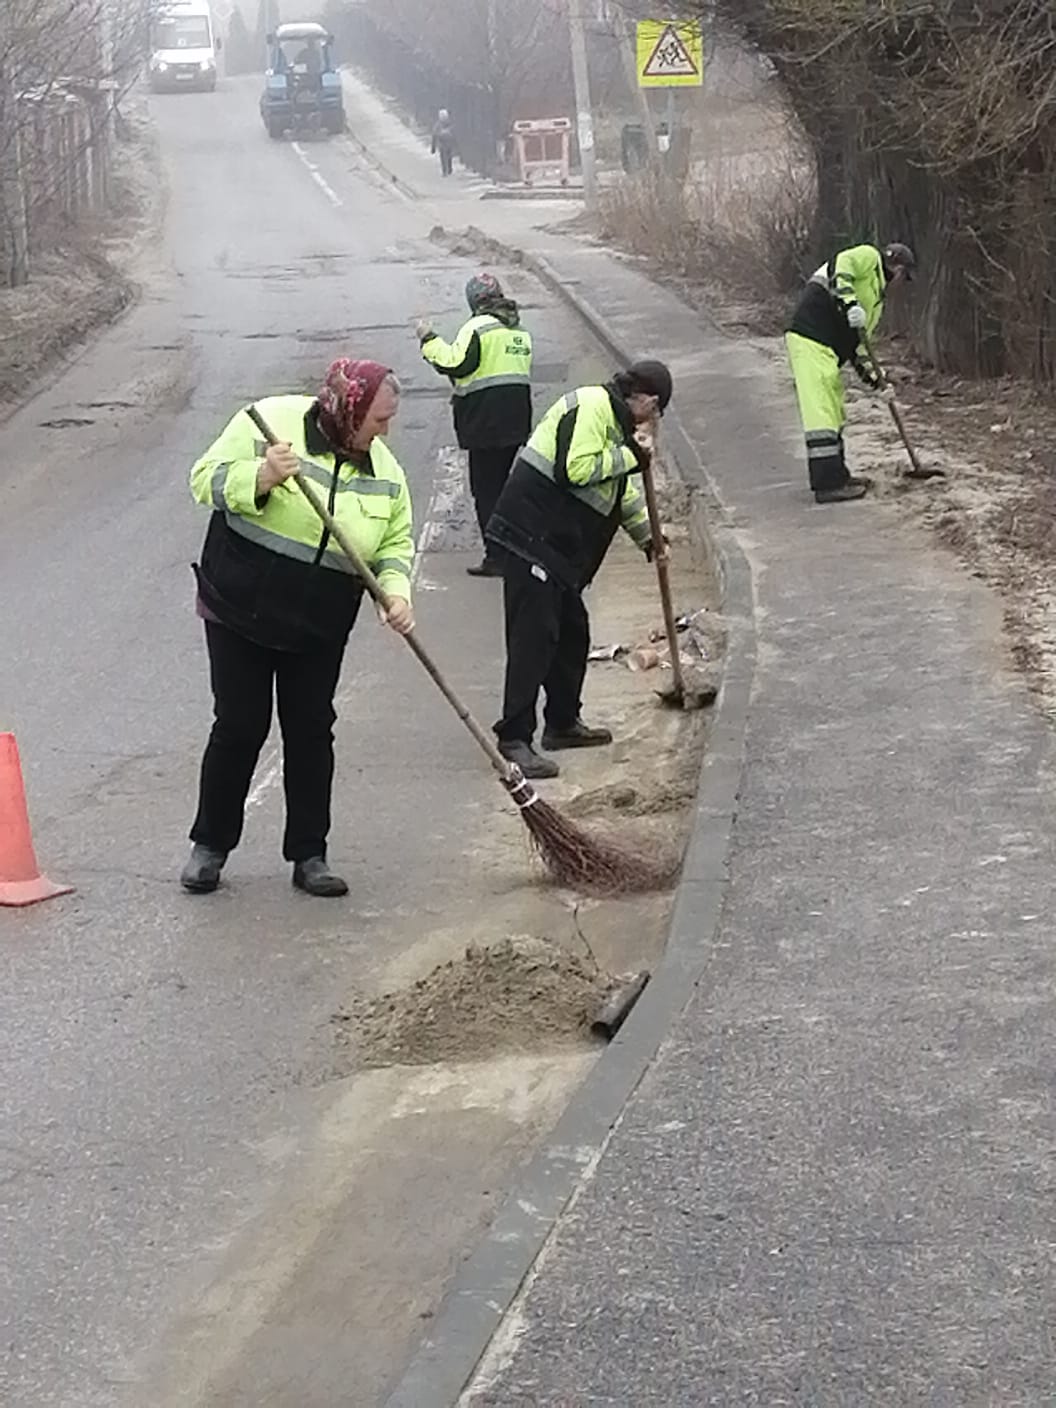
point(487, 1283)
point(387, 177)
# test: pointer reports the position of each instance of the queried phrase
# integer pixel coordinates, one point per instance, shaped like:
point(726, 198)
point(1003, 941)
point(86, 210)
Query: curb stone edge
point(488, 1282)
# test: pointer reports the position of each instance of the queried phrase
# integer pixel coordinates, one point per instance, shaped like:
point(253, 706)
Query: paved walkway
point(834, 1186)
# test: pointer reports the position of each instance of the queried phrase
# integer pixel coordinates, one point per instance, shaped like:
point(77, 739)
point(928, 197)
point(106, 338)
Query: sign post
point(669, 54)
point(584, 116)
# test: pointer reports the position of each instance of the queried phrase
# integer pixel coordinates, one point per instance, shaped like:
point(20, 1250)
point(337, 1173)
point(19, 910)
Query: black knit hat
point(653, 378)
point(900, 256)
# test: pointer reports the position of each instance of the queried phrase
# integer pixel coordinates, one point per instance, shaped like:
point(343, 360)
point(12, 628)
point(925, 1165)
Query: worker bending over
point(490, 368)
point(837, 313)
point(571, 487)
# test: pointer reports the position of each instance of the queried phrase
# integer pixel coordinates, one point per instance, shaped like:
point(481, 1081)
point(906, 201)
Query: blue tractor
point(302, 88)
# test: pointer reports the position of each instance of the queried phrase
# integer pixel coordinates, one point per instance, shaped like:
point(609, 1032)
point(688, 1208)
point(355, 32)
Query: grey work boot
point(201, 874)
point(315, 877)
point(844, 493)
point(531, 763)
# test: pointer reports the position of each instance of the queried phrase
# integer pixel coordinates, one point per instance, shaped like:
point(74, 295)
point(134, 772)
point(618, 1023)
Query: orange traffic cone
point(20, 879)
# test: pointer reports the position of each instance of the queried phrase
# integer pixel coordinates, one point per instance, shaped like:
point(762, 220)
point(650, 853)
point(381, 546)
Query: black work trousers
point(547, 641)
point(488, 472)
point(244, 677)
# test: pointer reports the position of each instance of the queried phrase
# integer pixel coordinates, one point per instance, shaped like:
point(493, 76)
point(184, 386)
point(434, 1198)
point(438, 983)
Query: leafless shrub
point(736, 223)
point(933, 121)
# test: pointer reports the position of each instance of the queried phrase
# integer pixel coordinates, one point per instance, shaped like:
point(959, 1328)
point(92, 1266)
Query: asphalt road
point(161, 1057)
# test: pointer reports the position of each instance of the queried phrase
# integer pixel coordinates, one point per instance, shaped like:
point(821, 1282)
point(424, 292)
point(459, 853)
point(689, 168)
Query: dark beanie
point(653, 378)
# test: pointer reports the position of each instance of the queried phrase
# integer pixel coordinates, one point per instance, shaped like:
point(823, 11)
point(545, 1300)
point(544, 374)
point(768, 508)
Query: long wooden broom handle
point(892, 405)
point(509, 774)
point(661, 562)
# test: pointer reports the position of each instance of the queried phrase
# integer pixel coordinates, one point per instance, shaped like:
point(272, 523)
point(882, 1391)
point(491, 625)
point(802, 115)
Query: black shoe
point(531, 763)
point(578, 736)
point(844, 493)
point(315, 877)
point(486, 568)
point(201, 874)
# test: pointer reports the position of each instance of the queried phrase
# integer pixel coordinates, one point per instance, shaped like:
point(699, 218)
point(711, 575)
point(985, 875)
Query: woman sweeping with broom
point(572, 857)
point(279, 599)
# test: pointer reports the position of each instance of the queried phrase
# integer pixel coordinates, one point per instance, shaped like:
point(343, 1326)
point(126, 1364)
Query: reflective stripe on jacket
point(581, 445)
point(854, 275)
point(485, 353)
point(374, 509)
point(571, 487)
point(489, 365)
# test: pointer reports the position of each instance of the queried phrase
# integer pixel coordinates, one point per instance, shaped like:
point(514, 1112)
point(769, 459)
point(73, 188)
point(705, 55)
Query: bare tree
point(64, 66)
point(933, 121)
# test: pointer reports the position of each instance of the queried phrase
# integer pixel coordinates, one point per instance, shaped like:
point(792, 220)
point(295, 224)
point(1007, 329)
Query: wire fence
point(421, 88)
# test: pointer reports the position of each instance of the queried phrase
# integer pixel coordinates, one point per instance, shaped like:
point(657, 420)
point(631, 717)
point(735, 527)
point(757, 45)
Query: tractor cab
point(302, 88)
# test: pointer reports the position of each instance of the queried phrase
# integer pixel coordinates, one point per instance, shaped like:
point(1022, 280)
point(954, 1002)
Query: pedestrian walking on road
point(490, 367)
point(279, 599)
point(570, 489)
point(837, 313)
point(444, 142)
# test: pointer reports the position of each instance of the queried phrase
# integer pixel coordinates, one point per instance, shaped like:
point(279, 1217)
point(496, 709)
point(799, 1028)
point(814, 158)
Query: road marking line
point(313, 171)
point(446, 489)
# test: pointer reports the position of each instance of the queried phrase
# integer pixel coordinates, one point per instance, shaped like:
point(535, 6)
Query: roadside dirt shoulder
point(87, 281)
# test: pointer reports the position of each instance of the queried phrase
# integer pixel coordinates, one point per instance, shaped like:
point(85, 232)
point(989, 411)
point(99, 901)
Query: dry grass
point(738, 228)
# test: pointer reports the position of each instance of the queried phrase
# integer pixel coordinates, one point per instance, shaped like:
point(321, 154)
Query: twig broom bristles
point(571, 855)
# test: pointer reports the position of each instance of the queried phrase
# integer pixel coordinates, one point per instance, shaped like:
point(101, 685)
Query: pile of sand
point(522, 994)
point(625, 799)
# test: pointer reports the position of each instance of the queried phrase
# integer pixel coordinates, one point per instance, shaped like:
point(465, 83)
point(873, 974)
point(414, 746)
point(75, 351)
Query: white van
point(184, 46)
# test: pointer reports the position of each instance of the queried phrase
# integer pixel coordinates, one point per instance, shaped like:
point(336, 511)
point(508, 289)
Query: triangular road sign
point(670, 57)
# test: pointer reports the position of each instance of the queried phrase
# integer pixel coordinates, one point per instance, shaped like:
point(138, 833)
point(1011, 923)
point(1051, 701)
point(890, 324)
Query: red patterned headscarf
point(347, 391)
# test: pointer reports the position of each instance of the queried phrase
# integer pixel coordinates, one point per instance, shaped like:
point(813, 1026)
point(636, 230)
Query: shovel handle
point(661, 562)
point(896, 414)
point(900, 426)
point(510, 775)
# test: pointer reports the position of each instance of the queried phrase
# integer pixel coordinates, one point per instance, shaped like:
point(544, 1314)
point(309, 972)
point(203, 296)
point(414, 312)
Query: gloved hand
point(887, 391)
point(650, 549)
point(856, 316)
point(424, 330)
point(867, 374)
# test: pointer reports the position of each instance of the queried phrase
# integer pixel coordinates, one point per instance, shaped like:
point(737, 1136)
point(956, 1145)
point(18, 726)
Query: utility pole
point(584, 117)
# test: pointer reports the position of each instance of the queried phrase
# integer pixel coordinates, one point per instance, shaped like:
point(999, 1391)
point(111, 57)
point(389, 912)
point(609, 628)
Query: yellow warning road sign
point(670, 54)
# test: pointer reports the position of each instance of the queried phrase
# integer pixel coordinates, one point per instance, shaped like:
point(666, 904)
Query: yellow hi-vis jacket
point(489, 365)
point(856, 275)
point(596, 461)
point(572, 486)
point(505, 356)
point(269, 568)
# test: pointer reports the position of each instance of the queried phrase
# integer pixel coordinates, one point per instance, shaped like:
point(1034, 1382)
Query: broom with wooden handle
point(572, 857)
